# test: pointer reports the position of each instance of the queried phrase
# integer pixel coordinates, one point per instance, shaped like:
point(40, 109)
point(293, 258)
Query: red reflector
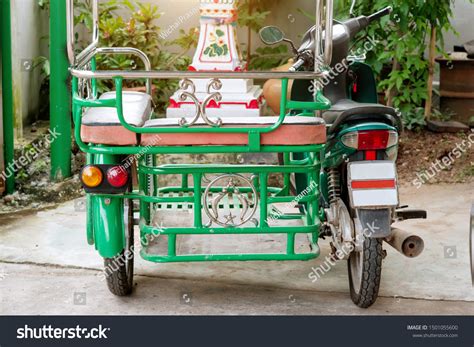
point(373, 184)
point(373, 140)
point(117, 176)
point(371, 155)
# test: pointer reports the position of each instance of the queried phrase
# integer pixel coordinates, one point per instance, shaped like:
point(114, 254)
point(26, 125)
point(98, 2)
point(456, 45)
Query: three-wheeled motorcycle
point(337, 148)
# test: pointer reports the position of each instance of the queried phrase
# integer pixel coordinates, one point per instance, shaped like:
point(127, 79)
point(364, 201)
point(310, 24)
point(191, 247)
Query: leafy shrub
point(129, 23)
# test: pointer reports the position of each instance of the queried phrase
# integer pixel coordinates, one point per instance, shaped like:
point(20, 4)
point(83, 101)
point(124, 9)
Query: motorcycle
point(359, 184)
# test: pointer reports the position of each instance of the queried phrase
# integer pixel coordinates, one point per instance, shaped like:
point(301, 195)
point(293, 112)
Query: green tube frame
point(108, 222)
point(107, 227)
point(7, 90)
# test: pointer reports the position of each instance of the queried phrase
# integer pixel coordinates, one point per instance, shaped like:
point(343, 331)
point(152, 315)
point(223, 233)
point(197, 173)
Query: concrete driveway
point(46, 267)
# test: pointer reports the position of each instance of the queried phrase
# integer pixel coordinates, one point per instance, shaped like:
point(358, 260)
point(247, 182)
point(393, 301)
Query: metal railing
point(73, 60)
point(81, 71)
point(324, 15)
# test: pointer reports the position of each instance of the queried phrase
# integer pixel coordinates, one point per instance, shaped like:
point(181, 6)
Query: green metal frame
point(60, 117)
point(108, 235)
point(7, 91)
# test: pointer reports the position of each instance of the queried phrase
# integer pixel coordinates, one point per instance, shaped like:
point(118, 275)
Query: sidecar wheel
point(119, 269)
point(365, 269)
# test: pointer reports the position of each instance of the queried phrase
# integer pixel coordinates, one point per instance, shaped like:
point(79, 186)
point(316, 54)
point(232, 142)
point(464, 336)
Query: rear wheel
point(365, 269)
point(119, 269)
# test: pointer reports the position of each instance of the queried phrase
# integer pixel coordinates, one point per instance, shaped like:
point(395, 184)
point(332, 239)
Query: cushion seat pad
point(101, 125)
point(296, 131)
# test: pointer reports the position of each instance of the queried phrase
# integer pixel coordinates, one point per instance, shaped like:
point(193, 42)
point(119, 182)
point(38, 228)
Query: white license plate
point(373, 184)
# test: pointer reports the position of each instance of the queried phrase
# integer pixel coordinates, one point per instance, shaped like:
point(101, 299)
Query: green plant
point(129, 23)
point(266, 58)
point(414, 119)
point(403, 72)
point(399, 58)
point(43, 64)
point(441, 116)
point(252, 15)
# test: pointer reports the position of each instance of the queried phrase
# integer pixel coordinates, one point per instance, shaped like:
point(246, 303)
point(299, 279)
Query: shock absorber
point(334, 188)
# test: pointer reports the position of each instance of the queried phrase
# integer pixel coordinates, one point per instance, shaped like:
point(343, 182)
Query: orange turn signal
point(92, 176)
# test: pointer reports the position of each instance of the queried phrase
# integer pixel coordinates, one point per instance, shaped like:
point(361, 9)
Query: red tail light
point(370, 140)
point(117, 176)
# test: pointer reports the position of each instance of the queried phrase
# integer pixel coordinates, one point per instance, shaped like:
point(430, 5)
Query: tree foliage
point(399, 59)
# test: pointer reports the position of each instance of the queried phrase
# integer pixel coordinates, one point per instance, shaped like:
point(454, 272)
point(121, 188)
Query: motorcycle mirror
point(272, 35)
point(351, 11)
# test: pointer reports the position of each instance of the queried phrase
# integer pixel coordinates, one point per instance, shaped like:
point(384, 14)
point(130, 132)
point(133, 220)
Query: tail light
point(370, 140)
point(105, 179)
point(117, 176)
point(92, 176)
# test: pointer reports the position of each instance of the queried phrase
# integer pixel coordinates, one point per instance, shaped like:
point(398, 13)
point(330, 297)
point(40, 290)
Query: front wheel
point(365, 269)
point(119, 269)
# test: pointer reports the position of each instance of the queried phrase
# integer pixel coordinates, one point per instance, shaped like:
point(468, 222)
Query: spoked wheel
point(119, 270)
point(365, 269)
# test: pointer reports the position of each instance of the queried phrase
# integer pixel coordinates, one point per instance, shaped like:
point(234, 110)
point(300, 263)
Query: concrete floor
point(46, 267)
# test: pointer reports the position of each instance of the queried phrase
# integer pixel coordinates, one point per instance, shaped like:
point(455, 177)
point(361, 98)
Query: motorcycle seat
point(345, 110)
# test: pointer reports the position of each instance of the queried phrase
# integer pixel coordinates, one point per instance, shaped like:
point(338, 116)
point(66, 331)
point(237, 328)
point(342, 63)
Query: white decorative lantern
point(218, 50)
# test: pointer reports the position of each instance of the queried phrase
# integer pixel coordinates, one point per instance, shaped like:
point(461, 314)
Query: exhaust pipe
point(407, 244)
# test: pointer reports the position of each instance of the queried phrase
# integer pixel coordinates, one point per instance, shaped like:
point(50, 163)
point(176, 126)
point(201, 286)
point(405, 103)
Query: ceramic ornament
point(218, 50)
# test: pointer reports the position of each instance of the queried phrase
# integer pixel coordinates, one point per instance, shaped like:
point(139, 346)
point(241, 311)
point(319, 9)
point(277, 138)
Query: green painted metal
point(189, 195)
point(108, 218)
point(321, 103)
point(59, 93)
point(192, 196)
point(228, 257)
point(90, 208)
point(7, 90)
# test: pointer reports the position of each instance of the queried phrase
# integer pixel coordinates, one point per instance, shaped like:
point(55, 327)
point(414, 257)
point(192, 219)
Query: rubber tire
point(119, 274)
point(371, 274)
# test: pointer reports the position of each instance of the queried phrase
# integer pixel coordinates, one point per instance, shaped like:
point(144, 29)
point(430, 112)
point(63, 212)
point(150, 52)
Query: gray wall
point(285, 14)
point(29, 33)
point(463, 22)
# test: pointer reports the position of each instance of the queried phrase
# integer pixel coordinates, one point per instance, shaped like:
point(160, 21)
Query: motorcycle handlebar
point(296, 66)
point(355, 25)
point(382, 13)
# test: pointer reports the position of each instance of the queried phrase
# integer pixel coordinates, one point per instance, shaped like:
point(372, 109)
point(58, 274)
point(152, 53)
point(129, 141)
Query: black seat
point(347, 110)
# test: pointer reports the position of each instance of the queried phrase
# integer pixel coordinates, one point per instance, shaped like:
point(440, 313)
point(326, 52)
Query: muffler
point(407, 244)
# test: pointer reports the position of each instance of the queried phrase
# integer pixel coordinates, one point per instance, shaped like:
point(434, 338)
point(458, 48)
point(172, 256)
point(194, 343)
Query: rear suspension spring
point(334, 187)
